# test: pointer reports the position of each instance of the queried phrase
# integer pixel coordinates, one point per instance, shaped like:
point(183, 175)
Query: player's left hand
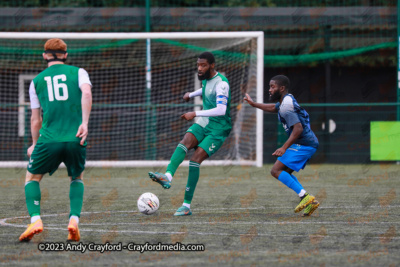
point(30, 150)
point(279, 152)
point(82, 133)
point(186, 97)
point(189, 116)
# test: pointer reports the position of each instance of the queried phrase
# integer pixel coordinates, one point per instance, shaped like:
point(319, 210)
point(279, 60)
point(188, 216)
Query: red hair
point(55, 44)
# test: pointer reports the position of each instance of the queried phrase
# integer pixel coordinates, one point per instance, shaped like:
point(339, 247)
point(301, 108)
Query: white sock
point(186, 205)
point(35, 218)
point(74, 217)
point(302, 192)
point(169, 176)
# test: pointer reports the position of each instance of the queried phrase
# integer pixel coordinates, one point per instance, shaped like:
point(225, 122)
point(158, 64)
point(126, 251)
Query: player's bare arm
point(297, 130)
point(265, 107)
point(36, 125)
point(86, 108)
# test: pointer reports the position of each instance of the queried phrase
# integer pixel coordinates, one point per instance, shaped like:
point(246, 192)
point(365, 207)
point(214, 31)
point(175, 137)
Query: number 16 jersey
point(57, 91)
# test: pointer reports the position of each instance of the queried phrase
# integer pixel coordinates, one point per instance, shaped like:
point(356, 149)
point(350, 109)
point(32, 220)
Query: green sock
point(194, 173)
point(177, 158)
point(33, 197)
point(76, 197)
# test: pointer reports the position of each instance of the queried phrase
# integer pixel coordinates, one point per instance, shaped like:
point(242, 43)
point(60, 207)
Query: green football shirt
point(57, 91)
point(221, 125)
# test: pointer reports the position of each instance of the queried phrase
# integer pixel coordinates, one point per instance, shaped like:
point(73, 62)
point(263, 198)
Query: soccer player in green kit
point(64, 94)
point(206, 135)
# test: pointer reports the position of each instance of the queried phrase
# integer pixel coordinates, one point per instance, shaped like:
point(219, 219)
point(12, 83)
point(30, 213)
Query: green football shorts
point(46, 157)
point(208, 140)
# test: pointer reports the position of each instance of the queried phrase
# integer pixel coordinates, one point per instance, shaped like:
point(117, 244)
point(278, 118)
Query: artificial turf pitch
point(242, 215)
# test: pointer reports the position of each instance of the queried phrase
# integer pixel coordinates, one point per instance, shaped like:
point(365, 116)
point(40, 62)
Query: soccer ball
point(148, 203)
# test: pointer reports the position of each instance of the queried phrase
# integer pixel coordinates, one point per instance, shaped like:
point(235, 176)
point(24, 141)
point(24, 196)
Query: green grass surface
point(242, 215)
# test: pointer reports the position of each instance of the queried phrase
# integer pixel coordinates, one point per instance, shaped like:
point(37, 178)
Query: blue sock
point(297, 181)
point(302, 192)
point(290, 182)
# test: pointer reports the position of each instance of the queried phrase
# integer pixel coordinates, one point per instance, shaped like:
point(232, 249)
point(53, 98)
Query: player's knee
point(75, 179)
point(199, 156)
point(80, 177)
point(32, 177)
point(189, 144)
point(196, 158)
point(189, 141)
point(275, 173)
point(185, 143)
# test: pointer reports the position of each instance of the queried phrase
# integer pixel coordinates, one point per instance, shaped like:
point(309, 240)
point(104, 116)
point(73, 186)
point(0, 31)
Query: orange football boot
point(73, 231)
point(33, 229)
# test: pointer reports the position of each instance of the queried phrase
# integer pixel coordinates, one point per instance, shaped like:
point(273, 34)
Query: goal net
point(138, 80)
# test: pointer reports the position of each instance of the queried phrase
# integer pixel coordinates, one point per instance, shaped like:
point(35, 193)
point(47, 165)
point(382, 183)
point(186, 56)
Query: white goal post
point(138, 83)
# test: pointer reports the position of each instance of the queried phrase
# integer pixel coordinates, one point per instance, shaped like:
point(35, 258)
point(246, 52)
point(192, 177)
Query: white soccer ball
point(148, 203)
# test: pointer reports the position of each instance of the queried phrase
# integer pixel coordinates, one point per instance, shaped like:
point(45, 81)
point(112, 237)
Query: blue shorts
point(297, 156)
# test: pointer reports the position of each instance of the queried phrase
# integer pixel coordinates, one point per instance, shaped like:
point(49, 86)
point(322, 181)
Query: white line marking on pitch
point(266, 207)
point(3, 222)
point(190, 232)
point(235, 223)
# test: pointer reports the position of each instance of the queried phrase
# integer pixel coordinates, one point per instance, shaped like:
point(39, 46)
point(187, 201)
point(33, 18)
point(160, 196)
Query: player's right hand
point(30, 150)
point(186, 97)
point(279, 152)
point(248, 99)
point(82, 132)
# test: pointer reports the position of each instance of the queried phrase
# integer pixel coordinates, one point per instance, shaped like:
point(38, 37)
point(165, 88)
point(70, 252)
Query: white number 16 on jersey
point(57, 87)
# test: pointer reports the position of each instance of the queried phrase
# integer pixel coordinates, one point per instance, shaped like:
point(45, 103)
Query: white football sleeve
point(222, 89)
point(215, 112)
point(33, 96)
point(83, 77)
point(222, 92)
point(196, 93)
